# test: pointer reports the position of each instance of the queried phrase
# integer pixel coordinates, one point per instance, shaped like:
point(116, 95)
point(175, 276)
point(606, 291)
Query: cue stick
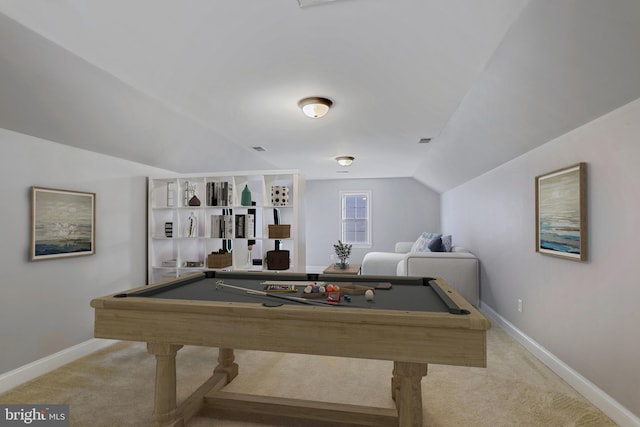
point(299, 300)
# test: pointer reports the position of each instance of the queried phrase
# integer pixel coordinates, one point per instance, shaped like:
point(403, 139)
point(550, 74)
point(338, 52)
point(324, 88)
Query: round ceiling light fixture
point(315, 107)
point(345, 160)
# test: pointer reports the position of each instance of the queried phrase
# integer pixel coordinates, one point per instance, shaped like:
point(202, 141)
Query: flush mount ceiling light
point(315, 107)
point(345, 160)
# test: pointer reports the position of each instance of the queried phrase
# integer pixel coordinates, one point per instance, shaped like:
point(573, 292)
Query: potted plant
point(342, 251)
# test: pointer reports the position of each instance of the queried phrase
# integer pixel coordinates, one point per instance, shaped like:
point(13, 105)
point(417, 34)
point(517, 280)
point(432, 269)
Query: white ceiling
point(193, 86)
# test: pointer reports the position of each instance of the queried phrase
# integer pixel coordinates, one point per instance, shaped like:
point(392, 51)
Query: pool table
point(411, 321)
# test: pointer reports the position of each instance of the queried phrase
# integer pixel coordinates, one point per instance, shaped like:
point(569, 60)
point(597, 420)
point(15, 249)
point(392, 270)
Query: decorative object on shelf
point(561, 213)
point(343, 251)
point(62, 223)
point(170, 263)
point(279, 231)
point(279, 195)
point(249, 256)
point(219, 259)
point(189, 193)
point(191, 227)
point(315, 107)
point(278, 259)
point(227, 245)
point(193, 264)
point(171, 194)
point(168, 229)
point(252, 212)
point(246, 196)
point(276, 221)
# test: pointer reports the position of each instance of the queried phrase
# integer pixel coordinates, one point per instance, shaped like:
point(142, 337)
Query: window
point(355, 218)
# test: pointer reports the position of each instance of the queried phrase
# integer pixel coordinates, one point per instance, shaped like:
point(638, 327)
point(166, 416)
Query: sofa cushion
point(403, 247)
point(422, 244)
point(435, 245)
point(381, 263)
point(446, 242)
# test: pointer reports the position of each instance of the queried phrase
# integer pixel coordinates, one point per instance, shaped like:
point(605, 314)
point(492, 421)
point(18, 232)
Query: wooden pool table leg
point(164, 411)
point(406, 390)
point(226, 365)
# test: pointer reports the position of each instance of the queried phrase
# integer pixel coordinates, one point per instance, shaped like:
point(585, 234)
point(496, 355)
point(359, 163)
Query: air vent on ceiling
point(424, 141)
point(258, 148)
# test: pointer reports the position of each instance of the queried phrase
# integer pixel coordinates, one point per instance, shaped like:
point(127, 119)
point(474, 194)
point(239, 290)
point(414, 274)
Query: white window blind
point(355, 218)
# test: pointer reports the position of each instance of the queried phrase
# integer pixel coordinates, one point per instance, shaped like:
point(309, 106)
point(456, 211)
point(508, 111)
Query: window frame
point(343, 195)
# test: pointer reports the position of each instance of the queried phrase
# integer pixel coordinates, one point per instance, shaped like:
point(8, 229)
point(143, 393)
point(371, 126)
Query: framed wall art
point(62, 223)
point(561, 213)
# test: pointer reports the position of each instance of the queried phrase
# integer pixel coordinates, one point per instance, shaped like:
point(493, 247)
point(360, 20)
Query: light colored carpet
point(114, 387)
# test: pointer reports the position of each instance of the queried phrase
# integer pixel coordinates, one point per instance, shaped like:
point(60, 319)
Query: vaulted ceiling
point(193, 86)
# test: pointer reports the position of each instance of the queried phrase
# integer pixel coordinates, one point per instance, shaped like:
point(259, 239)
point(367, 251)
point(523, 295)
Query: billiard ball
point(369, 295)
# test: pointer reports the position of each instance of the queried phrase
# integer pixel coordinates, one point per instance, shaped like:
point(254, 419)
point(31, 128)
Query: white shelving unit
point(186, 248)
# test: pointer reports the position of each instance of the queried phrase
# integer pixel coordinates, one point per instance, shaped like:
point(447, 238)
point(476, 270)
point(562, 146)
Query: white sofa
point(460, 268)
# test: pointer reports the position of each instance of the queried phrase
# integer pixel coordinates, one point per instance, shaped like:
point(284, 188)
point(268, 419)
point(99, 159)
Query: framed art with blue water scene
point(561, 213)
point(62, 223)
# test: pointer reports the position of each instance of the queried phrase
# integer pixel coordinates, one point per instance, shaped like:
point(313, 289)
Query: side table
point(351, 269)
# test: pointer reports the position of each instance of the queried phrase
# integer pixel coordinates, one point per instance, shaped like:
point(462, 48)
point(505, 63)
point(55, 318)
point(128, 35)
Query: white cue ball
point(369, 295)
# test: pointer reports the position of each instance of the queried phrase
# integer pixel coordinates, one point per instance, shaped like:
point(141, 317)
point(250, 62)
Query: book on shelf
point(222, 226)
point(252, 212)
point(251, 226)
point(219, 193)
point(245, 226)
point(240, 230)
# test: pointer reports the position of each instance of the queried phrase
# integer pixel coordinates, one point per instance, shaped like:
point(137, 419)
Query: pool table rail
point(426, 337)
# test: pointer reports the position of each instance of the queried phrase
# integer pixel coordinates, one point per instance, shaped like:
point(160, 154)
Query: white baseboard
point(614, 410)
point(39, 367)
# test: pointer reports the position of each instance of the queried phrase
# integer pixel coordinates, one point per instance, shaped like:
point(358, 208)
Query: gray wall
point(585, 313)
point(401, 209)
point(44, 306)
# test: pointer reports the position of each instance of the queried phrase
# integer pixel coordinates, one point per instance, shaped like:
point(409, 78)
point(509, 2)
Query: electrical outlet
point(519, 305)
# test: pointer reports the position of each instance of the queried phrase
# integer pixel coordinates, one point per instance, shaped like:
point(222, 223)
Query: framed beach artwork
point(62, 223)
point(561, 213)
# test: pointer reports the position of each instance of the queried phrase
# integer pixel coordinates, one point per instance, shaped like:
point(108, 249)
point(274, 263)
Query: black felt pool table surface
point(406, 294)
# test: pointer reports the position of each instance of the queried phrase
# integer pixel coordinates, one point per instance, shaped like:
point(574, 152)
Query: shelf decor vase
point(343, 263)
point(246, 196)
point(343, 251)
